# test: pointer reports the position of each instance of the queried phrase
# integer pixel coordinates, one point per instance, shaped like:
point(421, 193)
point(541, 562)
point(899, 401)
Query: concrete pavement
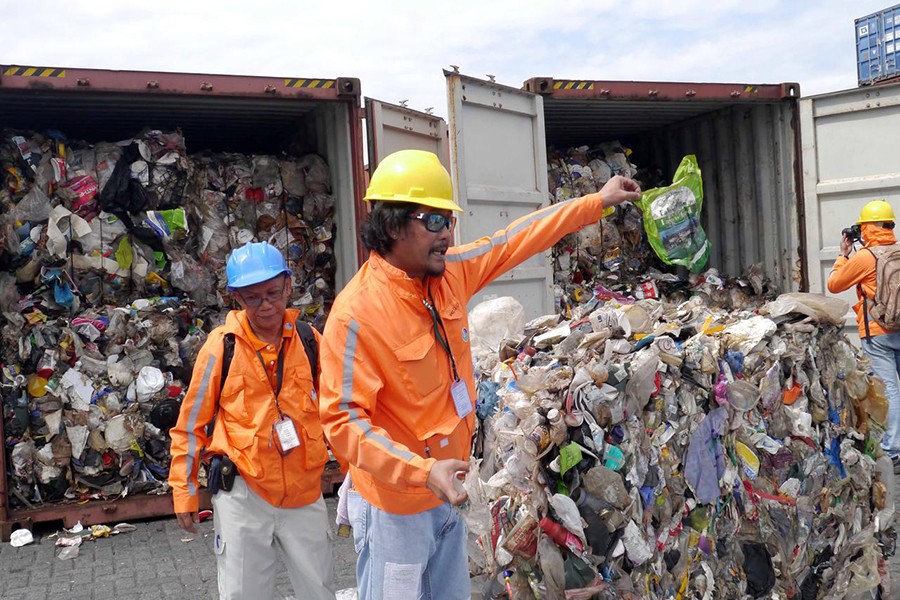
point(157, 561)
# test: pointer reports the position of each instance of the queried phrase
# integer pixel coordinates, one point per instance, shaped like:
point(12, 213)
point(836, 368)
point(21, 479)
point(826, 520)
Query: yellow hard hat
point(412, 176)
point(876, 211)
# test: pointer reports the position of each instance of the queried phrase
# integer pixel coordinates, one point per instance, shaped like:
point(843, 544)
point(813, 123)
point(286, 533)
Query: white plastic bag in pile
point(494, 320)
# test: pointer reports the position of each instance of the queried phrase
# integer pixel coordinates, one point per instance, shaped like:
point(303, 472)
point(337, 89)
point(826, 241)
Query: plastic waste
point(20, 537)
point(672, 218)
point(111, 276)
point(701, 457)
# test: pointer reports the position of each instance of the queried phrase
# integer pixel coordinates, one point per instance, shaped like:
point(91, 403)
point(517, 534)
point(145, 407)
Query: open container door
point(390, 128)
point(499, 157)
point(849, 158)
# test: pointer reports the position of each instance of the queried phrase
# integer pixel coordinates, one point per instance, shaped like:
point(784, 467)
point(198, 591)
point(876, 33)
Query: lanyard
point(442, 339)
point(279, 376)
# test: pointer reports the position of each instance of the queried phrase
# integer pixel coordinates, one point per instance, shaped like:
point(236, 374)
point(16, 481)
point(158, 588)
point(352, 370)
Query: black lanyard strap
point(442, 339)
point(279, 375)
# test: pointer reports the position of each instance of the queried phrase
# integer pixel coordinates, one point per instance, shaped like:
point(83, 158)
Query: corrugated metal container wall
point(219, 113)
point(747, 145)
point(750, 210)
point(849, 158)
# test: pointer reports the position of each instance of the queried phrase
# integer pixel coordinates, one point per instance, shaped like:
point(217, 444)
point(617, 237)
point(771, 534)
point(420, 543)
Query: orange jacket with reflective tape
point(385, 381)
point(247, 414)
point(859, 269)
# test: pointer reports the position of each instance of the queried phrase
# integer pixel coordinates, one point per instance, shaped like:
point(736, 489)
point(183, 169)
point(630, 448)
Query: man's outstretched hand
point(618, 190)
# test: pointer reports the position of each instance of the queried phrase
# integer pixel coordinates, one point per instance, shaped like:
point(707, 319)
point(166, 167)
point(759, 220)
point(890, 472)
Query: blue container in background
point(878, 45)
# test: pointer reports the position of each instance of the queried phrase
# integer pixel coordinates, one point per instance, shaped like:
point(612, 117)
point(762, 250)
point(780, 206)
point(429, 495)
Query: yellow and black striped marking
point(16, 71)
point(573, 85)
point(309, 83)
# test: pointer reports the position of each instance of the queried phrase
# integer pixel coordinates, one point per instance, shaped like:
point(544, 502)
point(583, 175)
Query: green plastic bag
point(672, 218)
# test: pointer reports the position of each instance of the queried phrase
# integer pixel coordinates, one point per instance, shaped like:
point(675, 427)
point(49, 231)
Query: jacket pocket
point(309, 427)
point(418, 360)
point(241, 438)
point(315, 453)
point(232, 399)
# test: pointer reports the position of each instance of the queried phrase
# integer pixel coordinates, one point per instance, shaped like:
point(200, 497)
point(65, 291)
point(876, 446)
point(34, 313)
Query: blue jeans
point(884, 352)
point(415, 557)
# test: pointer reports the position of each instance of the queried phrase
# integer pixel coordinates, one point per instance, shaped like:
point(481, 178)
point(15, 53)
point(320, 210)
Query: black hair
point(386, 217)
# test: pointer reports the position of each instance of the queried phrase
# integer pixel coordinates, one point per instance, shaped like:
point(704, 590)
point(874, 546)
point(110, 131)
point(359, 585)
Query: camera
point(852, 233)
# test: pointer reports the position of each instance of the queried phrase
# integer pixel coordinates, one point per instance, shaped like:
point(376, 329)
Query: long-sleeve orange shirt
point(386, 405)
point(859, 270)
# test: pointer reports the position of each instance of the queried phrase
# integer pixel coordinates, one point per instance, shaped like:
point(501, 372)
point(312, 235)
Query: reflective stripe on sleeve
point(192, 424)
point(347, 403)
point(502, 238)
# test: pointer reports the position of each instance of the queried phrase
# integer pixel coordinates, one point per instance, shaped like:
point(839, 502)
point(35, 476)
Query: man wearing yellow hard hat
point(397, 386)
point(875, 272)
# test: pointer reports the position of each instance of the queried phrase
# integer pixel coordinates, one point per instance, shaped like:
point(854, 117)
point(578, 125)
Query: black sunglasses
point(434, 222)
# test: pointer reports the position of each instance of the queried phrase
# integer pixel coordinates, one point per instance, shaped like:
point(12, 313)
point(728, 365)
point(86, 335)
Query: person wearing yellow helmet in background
point(882, 345)
point(397, 386)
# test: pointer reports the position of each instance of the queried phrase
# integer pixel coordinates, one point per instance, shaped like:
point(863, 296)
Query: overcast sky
point(399, 48)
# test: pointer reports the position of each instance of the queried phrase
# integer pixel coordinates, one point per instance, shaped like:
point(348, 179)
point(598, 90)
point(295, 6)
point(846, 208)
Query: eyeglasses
point(272, 297)
point(434, 222)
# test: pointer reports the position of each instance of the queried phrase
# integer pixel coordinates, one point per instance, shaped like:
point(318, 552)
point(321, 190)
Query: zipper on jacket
point(283, 484)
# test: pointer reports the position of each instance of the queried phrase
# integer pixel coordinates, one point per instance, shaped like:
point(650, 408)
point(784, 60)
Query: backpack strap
point(308, 337)
point(227, 355)
point(865, 298)
point(865, 309)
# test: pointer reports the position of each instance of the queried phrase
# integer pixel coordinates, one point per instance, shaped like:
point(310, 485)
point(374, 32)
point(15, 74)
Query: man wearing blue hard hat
point(252, 406)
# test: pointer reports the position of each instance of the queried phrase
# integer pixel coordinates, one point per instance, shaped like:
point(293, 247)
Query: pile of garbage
point(614, 250)
point(112, 272)
point(678, 447)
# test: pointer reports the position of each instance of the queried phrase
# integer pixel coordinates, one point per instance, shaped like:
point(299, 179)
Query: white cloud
point(398, 48)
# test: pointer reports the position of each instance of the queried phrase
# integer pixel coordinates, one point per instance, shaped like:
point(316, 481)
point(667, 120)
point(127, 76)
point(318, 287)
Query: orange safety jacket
point(244, 425)
point(859, 270)
point(386, 405)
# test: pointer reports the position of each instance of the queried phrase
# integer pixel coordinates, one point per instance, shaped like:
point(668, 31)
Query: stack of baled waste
point(678, 449)
point(613, 251)
point(112, 273)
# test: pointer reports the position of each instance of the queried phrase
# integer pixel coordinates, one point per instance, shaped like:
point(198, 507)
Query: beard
point(436, 271)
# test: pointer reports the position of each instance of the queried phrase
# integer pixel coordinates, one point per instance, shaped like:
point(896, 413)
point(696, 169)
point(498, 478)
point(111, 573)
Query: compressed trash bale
point(614, 246)
point(751, 454)
point(112, 271)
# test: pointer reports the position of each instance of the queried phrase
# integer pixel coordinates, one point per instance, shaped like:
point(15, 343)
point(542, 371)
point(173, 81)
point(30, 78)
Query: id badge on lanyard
point(284, 428)
point(286, 433)
point(461, 400)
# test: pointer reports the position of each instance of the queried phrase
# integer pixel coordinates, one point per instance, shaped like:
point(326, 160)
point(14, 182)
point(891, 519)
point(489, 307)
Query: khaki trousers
point(247, 531)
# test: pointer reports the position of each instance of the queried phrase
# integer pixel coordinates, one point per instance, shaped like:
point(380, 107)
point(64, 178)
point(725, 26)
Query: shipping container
point(220, 113)
point(849, 158)
point(746, 138)
point(876, 45)
point(390, 127)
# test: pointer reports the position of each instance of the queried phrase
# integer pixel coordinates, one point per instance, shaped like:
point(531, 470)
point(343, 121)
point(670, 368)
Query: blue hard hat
point(253, 263)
